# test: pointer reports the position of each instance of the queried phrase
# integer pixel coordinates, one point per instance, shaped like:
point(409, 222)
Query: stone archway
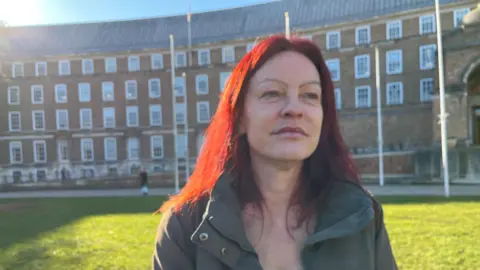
point(472, 82)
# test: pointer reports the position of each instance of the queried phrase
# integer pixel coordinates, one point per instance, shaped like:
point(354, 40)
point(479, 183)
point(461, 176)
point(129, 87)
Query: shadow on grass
point(19, 225)
point(427, 199)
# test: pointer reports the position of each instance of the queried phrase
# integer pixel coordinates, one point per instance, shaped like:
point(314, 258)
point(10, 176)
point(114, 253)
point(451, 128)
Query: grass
point(118, 233)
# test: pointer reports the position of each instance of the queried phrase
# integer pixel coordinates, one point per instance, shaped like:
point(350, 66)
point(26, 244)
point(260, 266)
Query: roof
point(208, 27)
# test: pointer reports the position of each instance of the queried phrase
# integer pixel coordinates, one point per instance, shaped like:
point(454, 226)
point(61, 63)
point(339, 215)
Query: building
point(95, 100)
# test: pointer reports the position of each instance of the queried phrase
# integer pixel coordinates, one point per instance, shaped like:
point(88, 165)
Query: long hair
point(223, 148)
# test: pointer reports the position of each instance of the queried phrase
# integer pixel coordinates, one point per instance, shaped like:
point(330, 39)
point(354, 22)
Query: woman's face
point(283, 109)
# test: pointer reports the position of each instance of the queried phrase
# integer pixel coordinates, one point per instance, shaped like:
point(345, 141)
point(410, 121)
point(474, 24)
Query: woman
point(274, 186)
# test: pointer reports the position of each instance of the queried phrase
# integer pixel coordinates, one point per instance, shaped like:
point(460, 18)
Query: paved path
point(456, 190)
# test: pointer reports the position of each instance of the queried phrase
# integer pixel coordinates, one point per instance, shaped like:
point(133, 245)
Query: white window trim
point(152, 62)
point(12, 145)
point(35, 159)
point(184, 84)
point(455, 15)
point(10, 95)
point(128, 110)
point(126, 90)
point(69, 72)
point(103, 91)
point(388, 94)
point(105, 118)
point(84, 71)
point(59, 150)
point(105, 150)
point(114, 60)
point(10, 121)
point(222, 86)
point(422, 64)
point(400, 30)
point(130, 67)
point(150, 95)
point(338, 98)
point(184, 57)
point(198, 79)
point(369, 96)
point(14, 69)
point(129, 150)
point(84, 141)
point(224, 54)
point(199, 104)
point(420, 24)
point(183, 110)
point(152, 138)
point(388, 58)
point(34, 122)
point(357, 41)
point(32, 90)
point(58, 111)
point(37, 64)
point(57, 86)
point(335, 62)
point(82, 126)
point(81, 98)
point(150, 111)
point(357, 75)
point(249, 46)
point(329, 36)
point(199, 58)
point(423, 98)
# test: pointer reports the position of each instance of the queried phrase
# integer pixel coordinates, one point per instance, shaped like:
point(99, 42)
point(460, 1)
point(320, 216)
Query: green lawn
point(118, 233)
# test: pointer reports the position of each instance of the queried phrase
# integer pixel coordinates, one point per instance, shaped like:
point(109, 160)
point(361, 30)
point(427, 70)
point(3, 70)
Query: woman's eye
point(312, 95)
point(270, 94)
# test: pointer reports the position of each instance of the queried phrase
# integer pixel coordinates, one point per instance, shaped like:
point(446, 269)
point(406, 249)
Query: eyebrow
point(284, 83)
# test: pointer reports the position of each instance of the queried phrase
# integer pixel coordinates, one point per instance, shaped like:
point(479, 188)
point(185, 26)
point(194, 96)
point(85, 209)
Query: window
point(108, 91)
point(427, 24)
point(458, 16)
point(228, 54)
point(156, 146)
point(181, 146)
point(87, 149)
point(362, 97)
point(157, 61)
point(62, 149)
point(180, 86)
point(154, 88)
point(132, 116)
point(61, 93)
point(133, 63)
point(338, 98)
point(426, 90)
point(87, 66)
point(14, 121)
point(203, 112)
point(13, 95)
point(334, 68)
point(180, 59)
point(427, 56)
point(180, 113)
point(62, 119)
point(86, 118)
point(133, 148)
point(394, 30)
point(40, 151)
point(131, 90)
point(333, 40)
point(362, 35)
point(203, 57)
point(84, 92)
point(394, 62)
point(394, 93)
point(63, 67)
point(38, 120)
point(41, 69)
point(250, 46)
point(201, 82)
point(111, 65)
point(362, 66)
point(110, 148)
point(155, 115)
point(41, 175)
point(16, 153)
point(109, 117)
point(223, 80)
point(17, 70)
point(37, 94)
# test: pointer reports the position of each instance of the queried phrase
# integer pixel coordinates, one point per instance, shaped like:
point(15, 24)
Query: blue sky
point(30, 12)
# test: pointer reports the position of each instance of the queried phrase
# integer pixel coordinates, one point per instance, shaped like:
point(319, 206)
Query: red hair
point(224, 148)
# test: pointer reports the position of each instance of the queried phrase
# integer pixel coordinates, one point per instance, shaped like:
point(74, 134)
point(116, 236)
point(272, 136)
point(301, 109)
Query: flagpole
point(174, 115)
point(379, 117)
point(187, 150)
point(287, 25)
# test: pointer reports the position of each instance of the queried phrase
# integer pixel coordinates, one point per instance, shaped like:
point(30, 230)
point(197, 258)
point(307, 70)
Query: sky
point(34, 12)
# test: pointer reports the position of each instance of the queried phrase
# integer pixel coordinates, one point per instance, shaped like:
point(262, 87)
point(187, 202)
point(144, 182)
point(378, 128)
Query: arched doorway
point(473, 87)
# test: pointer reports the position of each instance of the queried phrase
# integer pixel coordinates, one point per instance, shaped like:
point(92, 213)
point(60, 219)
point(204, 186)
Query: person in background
point(143, 181)
point(274, 186)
